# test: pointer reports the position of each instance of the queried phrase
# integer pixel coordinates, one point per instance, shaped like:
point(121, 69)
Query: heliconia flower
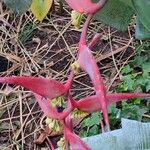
point(62, 143)
point(58, 101)
point(85, 6)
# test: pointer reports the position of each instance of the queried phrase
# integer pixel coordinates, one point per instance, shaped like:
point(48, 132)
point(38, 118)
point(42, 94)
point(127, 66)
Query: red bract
point(74, 141)
point(91, 103)
point(48, 88)
point(42, 86)
point(85, 6)
point(88, 104)
point(94, 41)
point(116, 97)
point(102, 100)
point(88, 64)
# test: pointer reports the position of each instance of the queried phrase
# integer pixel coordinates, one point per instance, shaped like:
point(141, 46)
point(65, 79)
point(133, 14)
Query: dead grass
point(48, 51)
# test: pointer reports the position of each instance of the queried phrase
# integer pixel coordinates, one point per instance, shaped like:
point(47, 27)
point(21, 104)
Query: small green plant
point(90, 125)
point(27, 33)
point(136, 77)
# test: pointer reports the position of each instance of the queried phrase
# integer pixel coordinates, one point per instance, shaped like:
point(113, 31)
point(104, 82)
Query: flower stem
point(84, 31)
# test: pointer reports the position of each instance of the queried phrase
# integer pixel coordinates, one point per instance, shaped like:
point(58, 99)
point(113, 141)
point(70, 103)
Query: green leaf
point(127, 69)
point(139, 60)
point(141, 32)
point(93, 120)
point(27, 33)
point(132, 111)
point(94, 130)
point(114, 112)
point(143, 10)
point(146, 67)
point(127, 2)
point(129, 80)
point(18, 6)
point(40, 8)
point(116, 14)
point(140, 80)
point(148, 86)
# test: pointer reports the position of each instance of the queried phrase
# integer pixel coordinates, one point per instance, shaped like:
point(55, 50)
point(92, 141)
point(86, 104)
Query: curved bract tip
point(116, 97)
point(75, 141)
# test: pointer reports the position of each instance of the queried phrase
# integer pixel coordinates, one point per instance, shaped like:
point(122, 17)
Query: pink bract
point(91, 103)
point(42, 86)
point(83, 6)
point(86, 6)
point(73, 140)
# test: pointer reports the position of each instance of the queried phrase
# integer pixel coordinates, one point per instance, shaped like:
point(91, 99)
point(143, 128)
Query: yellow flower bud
point(58, 101)
point(79, 114)
point(62, 143)
point(48, 120)
point(54, 124)
point(76, 18)
point(76, 67)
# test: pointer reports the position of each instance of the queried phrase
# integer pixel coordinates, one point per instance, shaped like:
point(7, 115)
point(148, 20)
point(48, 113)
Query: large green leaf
point(143, 9)
point(116, 14)
point(128, 2)
point(18, 6)
point(141, 32)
